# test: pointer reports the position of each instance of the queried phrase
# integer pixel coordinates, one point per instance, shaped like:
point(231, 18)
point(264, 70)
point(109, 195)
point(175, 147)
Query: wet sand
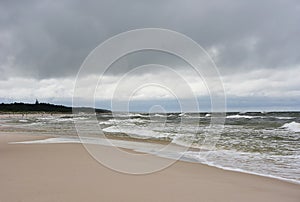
point(66, 172)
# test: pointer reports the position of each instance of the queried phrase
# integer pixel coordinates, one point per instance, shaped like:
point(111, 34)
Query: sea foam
point(293, 126)
point(240, 116)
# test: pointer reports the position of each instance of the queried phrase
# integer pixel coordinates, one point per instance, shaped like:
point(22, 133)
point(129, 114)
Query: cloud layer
point(255, 44)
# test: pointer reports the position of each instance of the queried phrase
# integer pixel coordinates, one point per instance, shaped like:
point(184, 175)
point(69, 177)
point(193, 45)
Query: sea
point(261, 143)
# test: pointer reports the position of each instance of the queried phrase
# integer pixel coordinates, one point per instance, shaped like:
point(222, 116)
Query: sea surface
point(262, 143)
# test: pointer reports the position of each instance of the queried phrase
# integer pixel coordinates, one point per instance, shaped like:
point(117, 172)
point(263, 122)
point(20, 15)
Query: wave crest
point(292, 126)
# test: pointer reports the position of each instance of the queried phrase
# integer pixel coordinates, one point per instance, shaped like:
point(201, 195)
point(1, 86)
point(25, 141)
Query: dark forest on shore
point(45, 107)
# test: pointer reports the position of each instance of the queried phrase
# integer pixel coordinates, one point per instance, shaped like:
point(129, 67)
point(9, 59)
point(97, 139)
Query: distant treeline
point(46, 107)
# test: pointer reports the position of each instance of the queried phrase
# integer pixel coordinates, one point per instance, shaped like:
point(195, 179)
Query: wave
point(283, 117)
point(237, 116)
point(138, 115)
point(182, 114)
point(136, 132)
point(292, 126)
point(123, 121)
point(160, 115)
point(23, 120)
point(241, 162)
point(105, 122)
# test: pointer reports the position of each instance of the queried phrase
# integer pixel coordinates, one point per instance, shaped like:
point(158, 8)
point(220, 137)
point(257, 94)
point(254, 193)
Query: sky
point(254, 44)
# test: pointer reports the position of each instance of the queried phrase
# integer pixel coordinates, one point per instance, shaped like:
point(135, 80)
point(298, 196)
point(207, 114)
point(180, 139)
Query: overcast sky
point(255, 45)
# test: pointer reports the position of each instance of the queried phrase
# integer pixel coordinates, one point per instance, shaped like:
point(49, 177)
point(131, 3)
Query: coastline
point(66, 172)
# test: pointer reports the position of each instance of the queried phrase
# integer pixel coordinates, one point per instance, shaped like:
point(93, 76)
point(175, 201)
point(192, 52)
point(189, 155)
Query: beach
point(66, 172)
point(149, 101)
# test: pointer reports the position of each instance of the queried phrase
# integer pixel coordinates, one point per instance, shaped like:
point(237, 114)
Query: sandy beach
point(66, 172)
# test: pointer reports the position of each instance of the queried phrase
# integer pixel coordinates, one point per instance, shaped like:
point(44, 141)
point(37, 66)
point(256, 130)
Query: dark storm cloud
point(46, 39)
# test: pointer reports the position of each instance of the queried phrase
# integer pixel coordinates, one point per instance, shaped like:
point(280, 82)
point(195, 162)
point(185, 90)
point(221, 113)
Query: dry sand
point(66, 172)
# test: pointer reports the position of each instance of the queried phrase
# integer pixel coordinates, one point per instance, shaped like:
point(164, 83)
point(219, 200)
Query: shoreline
point(129, 139)
point(53, 172)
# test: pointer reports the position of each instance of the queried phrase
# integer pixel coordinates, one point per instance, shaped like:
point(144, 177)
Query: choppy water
point(262, 143)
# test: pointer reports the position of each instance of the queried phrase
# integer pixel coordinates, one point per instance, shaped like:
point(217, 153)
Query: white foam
point(138, 115)
point(209, 158)
point(105, 123)
point(237, 116)
point(136, 146)
point(23, 120)
point(112, 129)
point(282, 117)
point(46, 118)
point(135, 131)
point(128, 121)
point(54, 140)
point(160, 115)
point(293, 126)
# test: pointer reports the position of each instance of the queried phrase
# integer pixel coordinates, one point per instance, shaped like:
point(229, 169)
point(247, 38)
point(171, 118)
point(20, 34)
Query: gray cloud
point(47, 39)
